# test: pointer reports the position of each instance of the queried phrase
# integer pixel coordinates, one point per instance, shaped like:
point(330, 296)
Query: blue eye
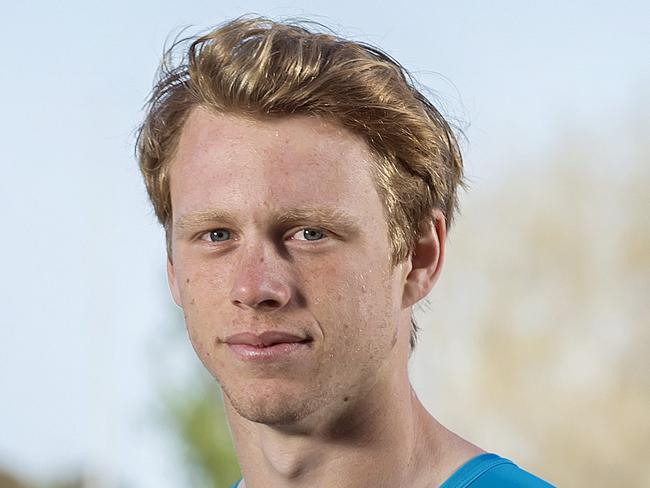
point(308, 235)
point(219, 235)
point(312, 234)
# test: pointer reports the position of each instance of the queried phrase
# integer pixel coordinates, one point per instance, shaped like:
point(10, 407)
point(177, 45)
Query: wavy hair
point(261, 68)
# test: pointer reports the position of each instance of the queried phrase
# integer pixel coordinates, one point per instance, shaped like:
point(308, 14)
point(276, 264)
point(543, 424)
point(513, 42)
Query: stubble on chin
point(273, 408)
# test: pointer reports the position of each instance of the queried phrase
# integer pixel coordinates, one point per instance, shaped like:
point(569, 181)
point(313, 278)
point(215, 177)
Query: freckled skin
point(343, 413)
point(227, 162)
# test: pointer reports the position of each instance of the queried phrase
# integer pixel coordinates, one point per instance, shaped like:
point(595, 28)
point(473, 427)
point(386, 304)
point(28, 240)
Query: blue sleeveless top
point(490, 471)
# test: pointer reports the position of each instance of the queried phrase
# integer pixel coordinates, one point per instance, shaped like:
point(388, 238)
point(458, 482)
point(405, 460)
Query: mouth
point(267, 346)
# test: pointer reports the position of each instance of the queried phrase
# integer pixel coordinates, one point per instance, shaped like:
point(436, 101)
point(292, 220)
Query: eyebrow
point(321, 216)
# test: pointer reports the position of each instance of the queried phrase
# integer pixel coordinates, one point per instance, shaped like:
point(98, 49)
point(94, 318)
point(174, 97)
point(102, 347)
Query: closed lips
point(265, 339)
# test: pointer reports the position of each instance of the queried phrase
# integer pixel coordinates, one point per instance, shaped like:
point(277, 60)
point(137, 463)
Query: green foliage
point(199, 420)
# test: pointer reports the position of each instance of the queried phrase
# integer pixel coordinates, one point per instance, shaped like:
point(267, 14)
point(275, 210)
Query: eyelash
point(205, 236)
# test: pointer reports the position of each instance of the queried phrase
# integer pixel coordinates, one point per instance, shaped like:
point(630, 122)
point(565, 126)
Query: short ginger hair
point(257, 67)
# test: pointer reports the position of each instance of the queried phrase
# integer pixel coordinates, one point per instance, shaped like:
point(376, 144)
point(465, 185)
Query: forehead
point(228, 160)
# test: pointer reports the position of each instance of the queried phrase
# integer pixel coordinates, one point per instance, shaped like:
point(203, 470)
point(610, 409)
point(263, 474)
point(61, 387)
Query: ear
point(173, 284)
point(425, 260)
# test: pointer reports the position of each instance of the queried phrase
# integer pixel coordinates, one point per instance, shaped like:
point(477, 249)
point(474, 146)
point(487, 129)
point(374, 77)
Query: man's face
point(281, 263)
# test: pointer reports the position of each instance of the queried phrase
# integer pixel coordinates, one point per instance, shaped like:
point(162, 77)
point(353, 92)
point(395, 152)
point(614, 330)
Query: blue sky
point(83, 292)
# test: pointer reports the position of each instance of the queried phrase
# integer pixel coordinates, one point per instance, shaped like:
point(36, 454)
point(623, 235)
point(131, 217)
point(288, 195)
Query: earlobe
point(426, 261)
point(173, 285)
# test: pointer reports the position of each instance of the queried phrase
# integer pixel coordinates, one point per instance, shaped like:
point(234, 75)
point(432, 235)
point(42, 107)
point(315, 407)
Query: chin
point(271, 407)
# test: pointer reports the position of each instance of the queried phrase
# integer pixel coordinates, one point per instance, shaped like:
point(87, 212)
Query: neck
point(382, 438)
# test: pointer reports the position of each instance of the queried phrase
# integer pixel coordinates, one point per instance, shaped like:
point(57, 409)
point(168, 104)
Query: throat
point(359, 458)
point(293, 463)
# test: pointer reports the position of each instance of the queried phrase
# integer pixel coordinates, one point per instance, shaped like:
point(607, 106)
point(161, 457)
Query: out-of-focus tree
point(539, 334)
point(200, 423)
point(193, 411)
point(9, 481)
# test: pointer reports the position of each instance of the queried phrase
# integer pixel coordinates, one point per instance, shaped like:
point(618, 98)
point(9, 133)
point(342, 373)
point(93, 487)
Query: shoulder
point(492, 471)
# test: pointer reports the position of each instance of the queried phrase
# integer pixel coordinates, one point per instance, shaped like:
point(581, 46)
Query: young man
point(306, 188)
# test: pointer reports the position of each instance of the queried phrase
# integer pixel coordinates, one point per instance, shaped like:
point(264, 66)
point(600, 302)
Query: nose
point(259, 281)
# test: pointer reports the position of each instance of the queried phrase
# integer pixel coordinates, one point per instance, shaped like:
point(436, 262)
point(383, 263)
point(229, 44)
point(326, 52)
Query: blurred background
point(535, 344)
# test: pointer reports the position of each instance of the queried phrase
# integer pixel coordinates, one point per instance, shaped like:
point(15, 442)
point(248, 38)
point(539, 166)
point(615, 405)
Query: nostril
point(269, 304)
point(260, 291)
point(264, 304)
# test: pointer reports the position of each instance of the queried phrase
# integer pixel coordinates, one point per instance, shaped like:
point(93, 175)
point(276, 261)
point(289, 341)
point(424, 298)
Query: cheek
point(355, 306)
point(203, 322)
point(378, 304)
point(203, 285)
point(202, 297)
